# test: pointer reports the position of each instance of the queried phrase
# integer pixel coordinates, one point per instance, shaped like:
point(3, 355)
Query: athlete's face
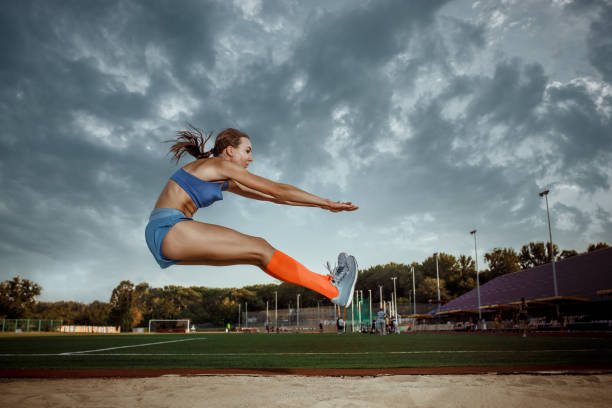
point(243, 154)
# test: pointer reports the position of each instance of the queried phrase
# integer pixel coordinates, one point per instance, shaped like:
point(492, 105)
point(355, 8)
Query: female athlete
point(175, 238)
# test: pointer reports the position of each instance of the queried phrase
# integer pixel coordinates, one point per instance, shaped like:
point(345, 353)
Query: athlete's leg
point(196, 243)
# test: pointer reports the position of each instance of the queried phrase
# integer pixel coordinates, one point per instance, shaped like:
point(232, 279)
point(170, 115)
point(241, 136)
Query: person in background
point(381, 322)
point(523, 317)
point(498, 321)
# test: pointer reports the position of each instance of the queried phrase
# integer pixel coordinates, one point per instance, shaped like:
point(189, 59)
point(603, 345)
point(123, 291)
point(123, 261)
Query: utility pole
point(552, 253)
point(275, 310)
point(438, 278)
point(473, 232)
point(413, 289)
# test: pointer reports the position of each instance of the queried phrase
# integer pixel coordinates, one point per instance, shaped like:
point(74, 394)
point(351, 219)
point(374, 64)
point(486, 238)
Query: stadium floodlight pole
point(552, 253)
point(239, 316)
point(297, 318)
point(394, 296)
point(413, 290)
point(473, 232)
point(267, 322)
point(275, 309)
point(370, 321)
point(246, 314)
point(381, 301)
point(438, 279)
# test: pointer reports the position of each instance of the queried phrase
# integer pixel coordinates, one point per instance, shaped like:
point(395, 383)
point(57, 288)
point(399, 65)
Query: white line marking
point(121, 347)
point(295, 353)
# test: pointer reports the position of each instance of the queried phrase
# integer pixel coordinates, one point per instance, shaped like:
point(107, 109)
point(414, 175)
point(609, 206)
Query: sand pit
point(437, 391)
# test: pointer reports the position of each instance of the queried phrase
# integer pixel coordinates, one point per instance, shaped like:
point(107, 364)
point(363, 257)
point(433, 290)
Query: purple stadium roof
point(581, 276)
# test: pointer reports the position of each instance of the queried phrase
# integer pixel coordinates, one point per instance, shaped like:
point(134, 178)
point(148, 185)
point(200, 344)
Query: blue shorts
point(160, 222)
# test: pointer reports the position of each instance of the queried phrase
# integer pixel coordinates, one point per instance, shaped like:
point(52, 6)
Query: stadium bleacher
point(583, 284)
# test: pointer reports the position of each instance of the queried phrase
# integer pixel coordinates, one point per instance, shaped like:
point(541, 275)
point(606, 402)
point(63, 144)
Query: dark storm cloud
point(584, 134)
point(58, 65)
point(491, 178)
point(340, 57)
point(509, 96)
point(599, 40)
point(467, 39)
point(600, 43)
point(343, 54)
point(517, 97)
point(462, 175)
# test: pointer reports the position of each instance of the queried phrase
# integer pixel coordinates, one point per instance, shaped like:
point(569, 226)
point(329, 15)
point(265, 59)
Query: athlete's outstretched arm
point(260, 188)
point(244, 191)
point(237, 188)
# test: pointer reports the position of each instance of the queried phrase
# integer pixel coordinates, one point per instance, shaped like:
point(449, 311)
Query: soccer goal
point(169, 325)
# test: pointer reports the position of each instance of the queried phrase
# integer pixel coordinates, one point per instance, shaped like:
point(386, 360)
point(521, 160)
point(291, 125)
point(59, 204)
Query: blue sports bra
point(203, 193)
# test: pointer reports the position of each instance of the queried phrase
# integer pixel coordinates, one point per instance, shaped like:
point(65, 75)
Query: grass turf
point(129, 351)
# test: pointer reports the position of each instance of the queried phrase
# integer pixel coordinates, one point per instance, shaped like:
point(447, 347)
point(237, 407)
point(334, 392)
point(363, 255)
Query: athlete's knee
point(264, 252)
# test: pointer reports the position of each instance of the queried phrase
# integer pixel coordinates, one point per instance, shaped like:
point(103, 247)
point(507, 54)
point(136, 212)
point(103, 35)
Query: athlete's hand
point(340, 206)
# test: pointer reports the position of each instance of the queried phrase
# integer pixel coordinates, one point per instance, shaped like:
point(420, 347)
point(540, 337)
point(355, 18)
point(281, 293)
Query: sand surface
point(294, 391)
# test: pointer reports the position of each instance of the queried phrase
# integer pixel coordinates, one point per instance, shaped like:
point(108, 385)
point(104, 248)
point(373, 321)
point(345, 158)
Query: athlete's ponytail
point(193, 141)
point(190, 141)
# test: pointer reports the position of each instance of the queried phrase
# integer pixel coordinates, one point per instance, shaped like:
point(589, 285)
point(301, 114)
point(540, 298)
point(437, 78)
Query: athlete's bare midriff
point(173, 196)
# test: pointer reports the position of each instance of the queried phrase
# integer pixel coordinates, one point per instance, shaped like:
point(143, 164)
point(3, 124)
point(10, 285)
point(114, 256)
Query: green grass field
point(256, 351)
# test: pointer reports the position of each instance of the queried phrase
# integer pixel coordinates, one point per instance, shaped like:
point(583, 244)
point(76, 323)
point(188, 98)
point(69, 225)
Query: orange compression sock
point(287, 269)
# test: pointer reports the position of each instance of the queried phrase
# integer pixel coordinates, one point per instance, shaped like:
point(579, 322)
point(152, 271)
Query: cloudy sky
point(435, 117)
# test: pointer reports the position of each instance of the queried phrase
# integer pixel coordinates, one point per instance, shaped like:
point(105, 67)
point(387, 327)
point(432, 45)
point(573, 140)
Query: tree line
point(132, 305)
